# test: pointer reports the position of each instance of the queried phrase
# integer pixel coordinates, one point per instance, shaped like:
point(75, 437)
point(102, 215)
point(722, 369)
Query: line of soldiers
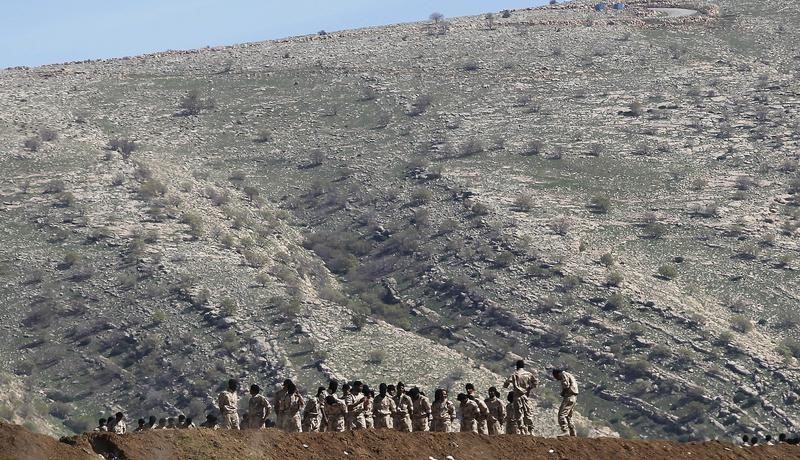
point(393, 407)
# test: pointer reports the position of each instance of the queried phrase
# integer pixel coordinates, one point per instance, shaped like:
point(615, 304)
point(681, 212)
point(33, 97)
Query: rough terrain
point(616, 193)
point(379, 445)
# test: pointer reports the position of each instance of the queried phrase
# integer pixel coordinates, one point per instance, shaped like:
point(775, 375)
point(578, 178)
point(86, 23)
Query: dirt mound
point(18, 443)
point(382, 444)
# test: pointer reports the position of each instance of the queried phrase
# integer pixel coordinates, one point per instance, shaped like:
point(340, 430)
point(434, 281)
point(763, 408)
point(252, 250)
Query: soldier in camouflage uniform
point(420, 410)
point(336, 411)
point(280, 410)
point(469, 413)
point(403, 408)
point(483, 411)
point(383, 408)
point(443, 412)
point(292, 405)
point(521, 383)
point(514, 423)
point(312, 413)
point(369, 397)
point(258, 408)
point(354, 400)
point(228, 402)
point(497, 412)
point(569, 397)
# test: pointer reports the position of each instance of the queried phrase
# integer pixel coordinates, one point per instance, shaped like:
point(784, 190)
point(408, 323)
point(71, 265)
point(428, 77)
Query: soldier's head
point(289, 386)
point(181, 419)
point(333, 387)
point(414, 393)
point(439, 394)
point(171, 421)
point(365, 390)
point(188, 421)
point(382, 388)
point(358, 386)
point(320, 390)
point(782, 437)
point(390, 389)
point(152, 420)
point(753, 441)
point(162, 422)
point(401, 387)
point(101, 422)
point(119, 416)
point(346, 388)
point(493, 392)
point(768, 438)
point(255, 389)
point(233, 384)
point(141, 422)
point(520, 364)
point(330, 400)
point(558, 373)
point(470, 388)
point(510, 396)
point(462, 398)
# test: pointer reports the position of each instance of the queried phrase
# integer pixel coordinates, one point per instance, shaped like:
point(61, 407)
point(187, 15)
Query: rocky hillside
point(613, 192)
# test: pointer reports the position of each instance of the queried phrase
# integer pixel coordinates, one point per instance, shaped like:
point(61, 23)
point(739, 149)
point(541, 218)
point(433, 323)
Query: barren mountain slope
point(613, 192)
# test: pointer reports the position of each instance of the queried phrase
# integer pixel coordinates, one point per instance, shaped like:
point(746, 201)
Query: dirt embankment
point(18, 443)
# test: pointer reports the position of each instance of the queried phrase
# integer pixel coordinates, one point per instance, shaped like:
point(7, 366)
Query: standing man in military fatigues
point(521, 383)
point(569, 397)
point(383, 408)
point(420, 410)
point(483, 410)
point(229, 405)
point(258, 408)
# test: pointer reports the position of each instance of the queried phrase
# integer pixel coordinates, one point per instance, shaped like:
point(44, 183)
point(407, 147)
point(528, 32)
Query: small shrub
point(192, 104)
point(470, 66)
point(524, 202)
point(744, 183)
point(607, 259)
point(599, 204)
point(742, 324)
point(48, 135)
point(471, 147)
point(636, 109)
point(376, 357)
point(263, 137)
point(33, 144)
point(124, 146)
point(614, 279)
point(616, 302)
point(359, 320)
point(420, 105)
point(228, 306)
point(533, 148)
point(636, 368)
point(596, 150)
point(505, 14)
point(420, 196)
point(480, 209)
point(561, 225)
point(668, 272)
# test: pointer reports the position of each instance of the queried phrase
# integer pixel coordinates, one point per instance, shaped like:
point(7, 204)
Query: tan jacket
point(521, 382)
point(569, 386)
point(228, 402)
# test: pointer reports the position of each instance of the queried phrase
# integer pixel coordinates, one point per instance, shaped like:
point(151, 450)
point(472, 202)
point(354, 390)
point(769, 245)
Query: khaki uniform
point(402, 414)
point(514, 423)
point(420, 414)
point(569, 397)
point(336, 416)
point(497, 416)
point(355, 412)
point(258, 409)
point(483, 415)
point(369, 421)
point(383, 411)
point(469, 414)
point(228, 407)
point(121, 427)
point(444, 415)
point(293, 405)
point(280, 411)
point(521, 383)
point(312, 416)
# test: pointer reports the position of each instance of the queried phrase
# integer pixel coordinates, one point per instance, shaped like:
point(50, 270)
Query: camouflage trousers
point(230, 421)
point(565, 411)
point(384, 421)
point(441, 425)
point(523, 406)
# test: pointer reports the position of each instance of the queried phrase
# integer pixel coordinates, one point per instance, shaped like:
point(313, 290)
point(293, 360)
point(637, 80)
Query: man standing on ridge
point(258, 408)
point(569, 396)
point(521, 383)
point(483, 411)
point(229, 406)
